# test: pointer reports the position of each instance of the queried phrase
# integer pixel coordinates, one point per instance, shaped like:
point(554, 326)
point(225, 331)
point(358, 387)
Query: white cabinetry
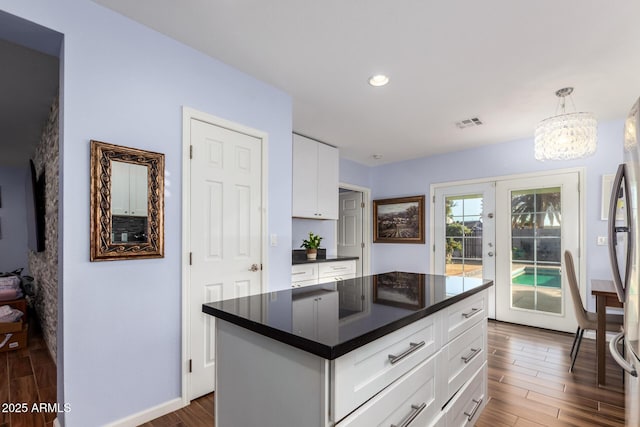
point(315, 179)
point(322, 272)
point(128, 189)
point(430, 373)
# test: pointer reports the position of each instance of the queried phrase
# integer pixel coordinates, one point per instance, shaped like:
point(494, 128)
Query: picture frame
point(399, 220)
point(399, 289)
point(121, 178)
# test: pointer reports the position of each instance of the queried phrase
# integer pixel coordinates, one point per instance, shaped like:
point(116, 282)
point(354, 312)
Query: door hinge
point(362, 245)
point(190, 365)
point(433, 198)
point(191, 151)
point(190, 258)
point(260, 267)
point(434, 248)
point(362, 205)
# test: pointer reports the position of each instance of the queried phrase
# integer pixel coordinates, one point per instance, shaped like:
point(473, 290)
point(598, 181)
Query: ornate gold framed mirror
point(127, 203)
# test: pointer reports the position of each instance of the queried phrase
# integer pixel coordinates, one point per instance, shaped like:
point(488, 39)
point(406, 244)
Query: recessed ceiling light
point(378, 80)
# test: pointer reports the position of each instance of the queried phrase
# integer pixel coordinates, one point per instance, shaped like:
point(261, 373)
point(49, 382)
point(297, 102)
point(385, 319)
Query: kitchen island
point(397, 348)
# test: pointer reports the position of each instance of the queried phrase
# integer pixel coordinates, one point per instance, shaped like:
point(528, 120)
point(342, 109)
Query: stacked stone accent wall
point(44, 265)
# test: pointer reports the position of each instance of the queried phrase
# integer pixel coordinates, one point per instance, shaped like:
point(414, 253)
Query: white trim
point(366, 223)
point(146, 415)
point(187, 115)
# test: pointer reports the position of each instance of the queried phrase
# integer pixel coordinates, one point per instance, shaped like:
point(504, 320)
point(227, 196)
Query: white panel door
point(350, 220)
point(225, 234)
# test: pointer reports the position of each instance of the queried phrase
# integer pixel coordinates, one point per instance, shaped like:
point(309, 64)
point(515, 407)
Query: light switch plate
point(602, 241)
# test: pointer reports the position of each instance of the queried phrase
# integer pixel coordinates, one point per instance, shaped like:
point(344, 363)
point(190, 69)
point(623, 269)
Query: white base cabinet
point(403, 379)
point(322, 272)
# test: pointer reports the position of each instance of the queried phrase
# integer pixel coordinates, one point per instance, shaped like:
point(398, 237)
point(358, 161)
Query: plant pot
point(312, 254)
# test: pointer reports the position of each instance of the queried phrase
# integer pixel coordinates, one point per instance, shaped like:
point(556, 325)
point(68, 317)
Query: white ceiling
point(498, 60)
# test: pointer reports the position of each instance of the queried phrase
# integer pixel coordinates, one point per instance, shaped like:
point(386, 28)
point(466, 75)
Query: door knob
point(490, 254)
point(254, 267)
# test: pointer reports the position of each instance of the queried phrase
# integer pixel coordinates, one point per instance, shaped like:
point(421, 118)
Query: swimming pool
point(547, 277)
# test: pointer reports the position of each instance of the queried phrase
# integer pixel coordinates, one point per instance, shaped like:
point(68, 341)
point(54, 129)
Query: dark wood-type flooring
point(529, 384)
point(27, 376)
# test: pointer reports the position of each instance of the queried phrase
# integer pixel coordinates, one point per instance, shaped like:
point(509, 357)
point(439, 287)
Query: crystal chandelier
point(566, 136)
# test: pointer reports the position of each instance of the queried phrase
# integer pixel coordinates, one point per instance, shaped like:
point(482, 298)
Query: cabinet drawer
point(301, 272)
point(359, 375)
point(464, 356)
point(465, 408)
point(341, 268)
point(462, 315)
point(303, 283)
point(413, 397)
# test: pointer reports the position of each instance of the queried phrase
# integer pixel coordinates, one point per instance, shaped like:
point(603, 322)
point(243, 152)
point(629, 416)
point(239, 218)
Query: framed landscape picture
point(399, 220)
point(399, 289)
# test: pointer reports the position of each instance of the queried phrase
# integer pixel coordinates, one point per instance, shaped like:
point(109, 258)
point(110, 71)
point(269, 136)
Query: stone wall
point(44, 265)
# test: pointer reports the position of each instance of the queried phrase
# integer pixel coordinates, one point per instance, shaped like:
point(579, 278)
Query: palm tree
point(533, 207)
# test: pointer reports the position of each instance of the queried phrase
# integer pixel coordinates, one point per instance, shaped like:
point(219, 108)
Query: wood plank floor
point(529, 385)
point(27, 376)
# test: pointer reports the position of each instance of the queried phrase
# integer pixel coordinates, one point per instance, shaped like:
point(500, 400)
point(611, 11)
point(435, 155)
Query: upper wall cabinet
point(315, 179)
point(129, 189)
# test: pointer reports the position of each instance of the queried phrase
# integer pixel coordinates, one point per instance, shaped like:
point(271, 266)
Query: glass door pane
point(536, 230)
point(463, 235)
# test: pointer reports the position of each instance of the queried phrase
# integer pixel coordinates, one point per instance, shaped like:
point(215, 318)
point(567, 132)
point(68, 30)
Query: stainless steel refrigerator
point(624, 227)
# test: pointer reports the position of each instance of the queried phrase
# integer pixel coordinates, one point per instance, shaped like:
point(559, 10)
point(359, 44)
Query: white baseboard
point(149, 414)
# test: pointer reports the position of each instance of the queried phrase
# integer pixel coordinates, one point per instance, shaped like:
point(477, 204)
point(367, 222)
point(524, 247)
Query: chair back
point(581, 314)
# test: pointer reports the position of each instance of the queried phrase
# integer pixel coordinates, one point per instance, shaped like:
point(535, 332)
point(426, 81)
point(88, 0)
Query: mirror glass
point(127, 203)
point(129, 200)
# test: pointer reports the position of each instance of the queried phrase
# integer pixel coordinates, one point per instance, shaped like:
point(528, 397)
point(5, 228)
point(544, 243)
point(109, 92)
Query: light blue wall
point(413, 177)
point(13, 219)
point(355, 173)
point(126, 84)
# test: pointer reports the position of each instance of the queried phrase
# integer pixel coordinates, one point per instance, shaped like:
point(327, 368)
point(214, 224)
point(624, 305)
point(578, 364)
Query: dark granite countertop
point(329, 259)
point(349, 313)
point(299, 256)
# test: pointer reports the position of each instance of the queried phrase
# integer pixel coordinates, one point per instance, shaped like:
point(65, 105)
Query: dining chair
point(586, 319)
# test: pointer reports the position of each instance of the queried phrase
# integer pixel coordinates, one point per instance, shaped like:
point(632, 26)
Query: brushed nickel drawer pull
point(473, 353)
point(415, 410)
point(299, 272)
point(413, 346)
point(474, 410)
point(473, 312)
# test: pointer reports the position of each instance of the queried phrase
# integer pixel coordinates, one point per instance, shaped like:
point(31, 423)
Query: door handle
point(619, 282)
point(613, 349)
point(254, 267)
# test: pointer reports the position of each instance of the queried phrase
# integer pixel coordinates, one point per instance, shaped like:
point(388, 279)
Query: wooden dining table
point(606, 296)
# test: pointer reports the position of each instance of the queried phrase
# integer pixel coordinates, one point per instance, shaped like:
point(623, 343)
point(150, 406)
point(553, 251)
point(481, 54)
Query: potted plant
point(311, 245)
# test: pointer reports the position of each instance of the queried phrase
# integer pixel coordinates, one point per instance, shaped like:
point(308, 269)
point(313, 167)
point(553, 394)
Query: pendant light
point(568, 135)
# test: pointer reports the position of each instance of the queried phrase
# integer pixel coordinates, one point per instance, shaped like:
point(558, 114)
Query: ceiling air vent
point(468, 123)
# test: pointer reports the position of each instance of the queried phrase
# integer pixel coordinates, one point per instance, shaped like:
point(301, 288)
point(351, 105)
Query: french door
point(513, 231)
point(539, 220)
point(464, 233)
